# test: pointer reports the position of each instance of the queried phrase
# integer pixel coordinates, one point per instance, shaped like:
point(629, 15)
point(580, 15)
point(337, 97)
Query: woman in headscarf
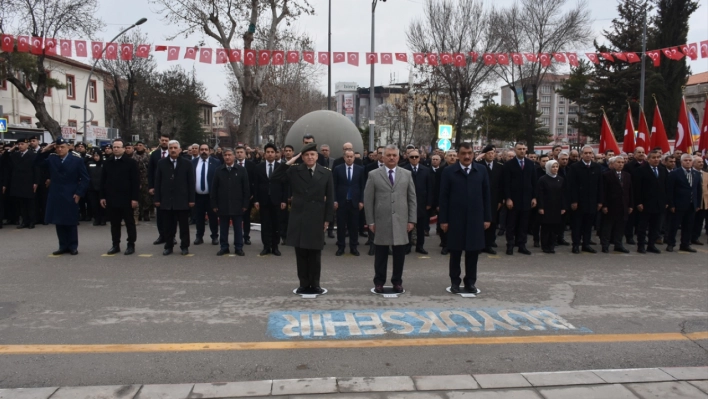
point(551, 206)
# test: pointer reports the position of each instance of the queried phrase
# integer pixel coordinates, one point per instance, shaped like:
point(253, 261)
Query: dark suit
point(617, 198)
point(230, 194)
point(424, 181)
point(650, 193)
point(340, 161)
point(684, 197)
point(21, 175)
point(269, 194)
point(585, 190)
point(174, 191)
point(348, 193)
point(633, 219)
point(496, 195)
point(202, 203)
point(155, 157)
point(120, 185)
point(251, 171)
point(519, 185)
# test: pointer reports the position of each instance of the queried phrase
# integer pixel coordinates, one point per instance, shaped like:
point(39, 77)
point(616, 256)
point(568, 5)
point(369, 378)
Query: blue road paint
point(414, 323)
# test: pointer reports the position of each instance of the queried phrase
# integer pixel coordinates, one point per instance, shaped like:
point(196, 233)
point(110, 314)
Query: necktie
point(312, 172)
point(270, 169)
point(689, 178)
point(522, 164)
point(390, 176)
point(174, 164)
point(228, 168)
point(467, 171)
point(656, 172)
point(202, 179)
point(489, 166)
point(164, 154)
point(587, 166)
point(241, 164)
point(349, 179)
point(415, 170)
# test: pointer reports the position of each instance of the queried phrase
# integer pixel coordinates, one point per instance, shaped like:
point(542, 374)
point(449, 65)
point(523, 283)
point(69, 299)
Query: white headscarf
point(549, 165)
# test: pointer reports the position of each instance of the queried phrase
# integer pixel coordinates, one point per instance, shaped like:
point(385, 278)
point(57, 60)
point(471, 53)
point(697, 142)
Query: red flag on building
point(8, 43)
point(655, 56)
point(173, 53)
point(643, 139)
point(573, 59)
point(418, 58)
point(36, 45)
point(386, 58)
point(278, 57)
point(308, 56)
point(96, 50)
point(111, 51)
point(338, 57)
point(65, 46)
point(628, 140)
point(684, 141)
point(293, 57)
point(126, 51)
point(658, 133)
point(593, 58)
point(402, 57)
point(323, 57)
point(703, 141)
point(205, 55)
point(353, 59)
point(143, 51)
point(23, 44)
point(607, 138)
point(50, 46)
point(80, 48)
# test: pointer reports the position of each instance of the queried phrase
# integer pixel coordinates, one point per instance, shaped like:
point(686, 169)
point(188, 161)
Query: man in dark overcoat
point(230, 195)
point(585, 195)
point(649, 183)
point(495, 171)
point(519, 185)
point(22, 178)
point(617, 204)
point(160, 153)
point(424, 181)
point(684, 194)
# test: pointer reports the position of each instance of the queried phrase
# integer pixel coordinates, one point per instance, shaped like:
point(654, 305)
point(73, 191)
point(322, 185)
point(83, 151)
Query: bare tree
point(538, 27)
point(453, 26)
point(223, 20)
point(45, 19)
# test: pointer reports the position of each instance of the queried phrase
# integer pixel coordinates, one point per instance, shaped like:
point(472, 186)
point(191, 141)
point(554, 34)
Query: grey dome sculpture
point(327, 127)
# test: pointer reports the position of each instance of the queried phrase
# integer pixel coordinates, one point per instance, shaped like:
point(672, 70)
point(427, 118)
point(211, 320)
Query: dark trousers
point(2, 208)
point(202, 205)
point(118, 214)
point(535, 225)
point(612, 231)
point(381, 264)
point(550, 234)
point(348, 221)
point(283, 226)
point(236, 221)
point(630, 226)
point(698, 224)
point(309, 266)
point(423, 222)
point(471, 258)
point(517, 225)
point(99, 214)
point(160, 221)
point(582, 223)
point(685, 220)
point(84, 209)
point(362, 222)
point(648, 223)
point(40, 203)
point(171, 220)
point(68, 235)
point(247, 223)
point(269, 225)
point(26, 209)
point(490, 235)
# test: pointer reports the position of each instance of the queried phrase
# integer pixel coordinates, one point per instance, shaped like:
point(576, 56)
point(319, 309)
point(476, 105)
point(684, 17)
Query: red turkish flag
point(690, 50)
point(460, 60)
point(293, 57)
point(643, 139)
point(36, 45)
point(23, 45)
point(308, 56)
point(672, 53)
point(446, 58)
point(372, 58)
point(607, 138)
point(658, 132)
point(205, 55)
point(632, 58)
point(704, 49)
point(111, 51)
point(80, 48)
point(222, 56)
point(418, 58)
point(96, 50)
point(473, 55)
point(559, 57)
point(628, 140)
point(593, 58)
point(278, 57)
point(263, 57)
point(517, 58)
point(655, 57)
point(502, 59)
point(545, 59)
point(126, 51)
point(173, 53)
point(353, 59)
point(703, 140)
point(572, 59)
point(249, 57)
point(235, 55)
point(386, 58)
point(8, 43)
point(489, 59)
point(160, 47)
point(607, 56)
point(143, 51)
point(402, 57)
point(50, 46)
point(190, 53)
point(684, 140)
point(531, 57)
point(620, 56)
point(432, 59)
point(338, 57)
point(323, 57)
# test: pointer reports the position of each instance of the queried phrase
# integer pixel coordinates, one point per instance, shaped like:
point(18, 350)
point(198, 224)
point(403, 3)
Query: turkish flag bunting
point(111, 51)
point(143, 51)
point(517, 58)
point(249, 57)
point(684, 140)
point(474, 55)
point(173, 53)
point(263, 57)
point(353, 59)
point(704, 49)
point(489, 59)
point(620, 56)
point(190, 53)
point(531, 57)
point(205, 55)
point(222, 56)
point(278, 57)
point(503, 59)
point(655, 56)
point(607, 56)
point(572, 59)
point(690, 50)
point(323, 57)
point(460, 60)
point(96, 50)
point(338, 57)
point(593, 58)
point(559, 57)
point(293, 57)
point(50, 46)
point(372, 58)
point(418, 58)
point(607, 138)
point(308, 56)
point(632, 58)
point(36, 45)
point(432, 59)
point(545, 59)
point(235, 55)
point(126, 51)
point(402, 57)
point(658, 132)
point(8, 43)
point(643, 139)
point(23, 44)
point(80, 48)
point(672, 53)
point(386, 58)
point(161, 47)
point(65, 48)
point(703, 140)
point(628, 140)
point(446, 58)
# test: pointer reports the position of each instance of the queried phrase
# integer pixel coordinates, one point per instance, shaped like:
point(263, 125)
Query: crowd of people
point(388, 196)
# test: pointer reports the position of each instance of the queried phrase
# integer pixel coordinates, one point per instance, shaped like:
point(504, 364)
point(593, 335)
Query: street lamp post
point(329, 57)
point(372, 122)
point(88, 81)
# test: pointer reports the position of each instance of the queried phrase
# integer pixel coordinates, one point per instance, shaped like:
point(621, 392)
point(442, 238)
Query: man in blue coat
point(465, 212)
point(204, 168)
point(69, 182)
point(349, 186)
point(684, 193)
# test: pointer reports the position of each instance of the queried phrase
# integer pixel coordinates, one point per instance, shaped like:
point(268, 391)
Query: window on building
point(561, 121)
point(561, 100)
point(545, 89)
point(573, 110)
point(25, 120)
point(93, 95)
point(561, 110)
point(71, 123)
point(546, 110)
point(70, 87)
point(545, 99)
point(545, 121)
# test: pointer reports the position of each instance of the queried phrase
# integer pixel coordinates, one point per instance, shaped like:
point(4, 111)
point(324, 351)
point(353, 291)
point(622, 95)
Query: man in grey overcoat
point(390, 204)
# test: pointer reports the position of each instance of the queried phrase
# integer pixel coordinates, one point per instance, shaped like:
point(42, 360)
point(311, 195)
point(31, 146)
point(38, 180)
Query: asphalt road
point(152, 299)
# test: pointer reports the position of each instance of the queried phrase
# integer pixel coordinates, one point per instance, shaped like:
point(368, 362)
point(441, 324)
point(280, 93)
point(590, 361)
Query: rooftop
point(698, 78)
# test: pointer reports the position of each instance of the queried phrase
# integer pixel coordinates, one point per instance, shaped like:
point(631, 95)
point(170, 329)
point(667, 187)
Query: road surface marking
point(145, 255)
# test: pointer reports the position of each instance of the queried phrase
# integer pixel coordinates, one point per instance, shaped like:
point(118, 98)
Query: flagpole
point(644, 50)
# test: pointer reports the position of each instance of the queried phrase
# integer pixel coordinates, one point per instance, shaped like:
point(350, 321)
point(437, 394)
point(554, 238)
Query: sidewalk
point(665, 383)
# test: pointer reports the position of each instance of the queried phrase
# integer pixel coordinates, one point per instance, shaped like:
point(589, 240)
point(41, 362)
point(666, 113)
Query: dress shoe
point(641, 250)
point(548, 251)
point(276, 252)
point(489, 250)
point(654, 250)
point(73, 252)
point(670, 248)
point(160, 240)
point(60, 252)
point(167, 251)
point(372, 250)
point(696, 242)
point(31, 226)
point(103, 223)
point(576, 249)
point(330, 234)
point(455, 289)
point(317, 290)
point(378, 289)
point(397, 288)
point(621, 249)
point(96, 223)
point(659, 241)
point(185, 251)
point(605, 250)
point(562, 242)
point(247, 241)
point(471, 289)
point(354, 251)
point(494, 245)
point(536, 244)
point(444, 251)
point(421, 251)
point(301, 290)
point(223, 252)
point(20, 226)
point(265, 252)
point(114, 250)
point(630, 241)
point(686, 248)
point(592, 242)
point(339, 252)
point(198, 241)
point(501, 232)
point(589, 249)
point(214, 241)
point(239, 252)
point(130, 250)
point(524, 250)
point(509, 250)
point(363, 234)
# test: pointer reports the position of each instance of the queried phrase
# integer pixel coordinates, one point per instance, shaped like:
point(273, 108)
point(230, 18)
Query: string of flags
point(251, 57)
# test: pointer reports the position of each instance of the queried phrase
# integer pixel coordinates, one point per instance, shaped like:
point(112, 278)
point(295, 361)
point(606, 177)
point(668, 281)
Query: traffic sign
point(3, 125)
point(444, 144)
point(445, 132)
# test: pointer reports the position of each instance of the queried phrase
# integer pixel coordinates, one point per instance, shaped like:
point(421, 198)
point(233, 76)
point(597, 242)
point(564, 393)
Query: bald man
point(340, 160)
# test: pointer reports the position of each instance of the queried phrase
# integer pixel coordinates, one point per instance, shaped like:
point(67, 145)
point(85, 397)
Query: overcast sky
point(351, 27)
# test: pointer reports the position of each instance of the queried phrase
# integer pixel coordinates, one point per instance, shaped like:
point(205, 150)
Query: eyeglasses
point(413, 157)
